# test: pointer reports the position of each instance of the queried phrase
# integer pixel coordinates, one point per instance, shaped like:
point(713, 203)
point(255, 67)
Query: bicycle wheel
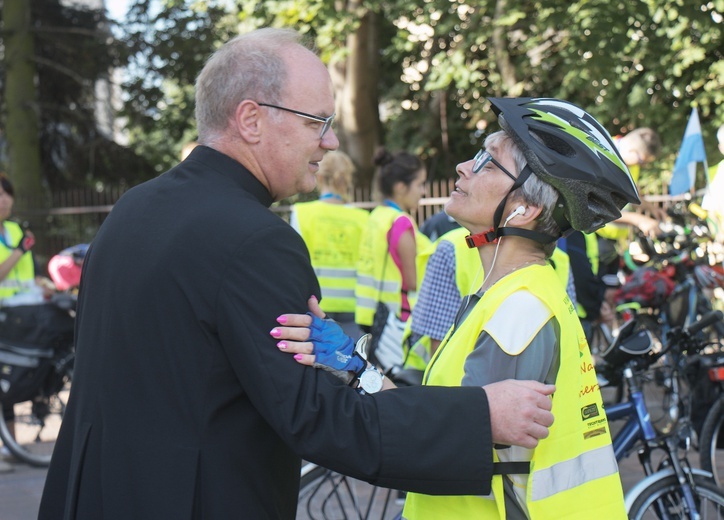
point(325, 495)
point(711, 442)
point(37, 423)
point(664, 498)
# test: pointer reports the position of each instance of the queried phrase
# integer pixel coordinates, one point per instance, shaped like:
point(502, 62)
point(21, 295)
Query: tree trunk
point(511, 86)
point(24, 168)
point(356, 82)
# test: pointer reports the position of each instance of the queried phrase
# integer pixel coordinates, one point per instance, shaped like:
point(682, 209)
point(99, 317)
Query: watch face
point(371, 381)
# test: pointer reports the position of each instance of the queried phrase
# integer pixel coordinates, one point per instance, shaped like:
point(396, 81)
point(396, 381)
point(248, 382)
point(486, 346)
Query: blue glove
point(332, 347)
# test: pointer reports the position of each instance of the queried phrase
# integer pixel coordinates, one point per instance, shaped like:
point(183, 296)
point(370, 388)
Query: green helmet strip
point(596, 145)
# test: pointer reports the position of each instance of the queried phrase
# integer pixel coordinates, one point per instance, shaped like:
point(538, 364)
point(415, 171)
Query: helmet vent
point(555, 143)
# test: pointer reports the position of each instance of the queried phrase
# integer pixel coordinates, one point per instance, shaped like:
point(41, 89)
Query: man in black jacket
point(182, 406)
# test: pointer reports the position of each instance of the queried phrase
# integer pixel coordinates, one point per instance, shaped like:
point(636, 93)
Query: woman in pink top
point(401, 182)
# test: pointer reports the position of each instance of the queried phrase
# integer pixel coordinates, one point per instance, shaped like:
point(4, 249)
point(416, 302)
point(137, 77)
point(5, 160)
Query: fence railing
point(74, 216)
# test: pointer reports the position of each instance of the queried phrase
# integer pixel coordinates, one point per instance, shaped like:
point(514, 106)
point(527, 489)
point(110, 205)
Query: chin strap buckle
point(481, 239)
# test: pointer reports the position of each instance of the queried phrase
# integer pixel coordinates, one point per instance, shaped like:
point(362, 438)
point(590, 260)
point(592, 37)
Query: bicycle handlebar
point(708, 319)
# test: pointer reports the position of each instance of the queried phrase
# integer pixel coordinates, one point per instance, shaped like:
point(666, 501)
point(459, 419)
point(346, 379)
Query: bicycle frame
point(638, 427)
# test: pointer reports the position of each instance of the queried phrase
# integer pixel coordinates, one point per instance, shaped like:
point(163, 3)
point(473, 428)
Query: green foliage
point(630, 63)
point(74, 55)
point(169, 44)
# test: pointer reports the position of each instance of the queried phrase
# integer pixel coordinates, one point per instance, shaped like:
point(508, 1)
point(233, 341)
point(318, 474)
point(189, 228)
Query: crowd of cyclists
point(605, 273)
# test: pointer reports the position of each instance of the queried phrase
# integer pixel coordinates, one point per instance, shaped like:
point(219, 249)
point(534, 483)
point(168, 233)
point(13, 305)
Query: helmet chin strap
point(492, 235)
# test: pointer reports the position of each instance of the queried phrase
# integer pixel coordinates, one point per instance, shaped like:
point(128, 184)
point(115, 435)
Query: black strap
point(511, 468)
point(530, 234)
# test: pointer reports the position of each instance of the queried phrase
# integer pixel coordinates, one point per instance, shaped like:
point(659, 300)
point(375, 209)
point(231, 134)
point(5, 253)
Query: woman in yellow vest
point(17, 270)
point(386, 270)
point(552, 169)
point(332, 232)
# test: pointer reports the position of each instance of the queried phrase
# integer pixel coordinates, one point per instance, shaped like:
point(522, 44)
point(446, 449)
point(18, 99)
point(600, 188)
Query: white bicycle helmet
point(567, 148)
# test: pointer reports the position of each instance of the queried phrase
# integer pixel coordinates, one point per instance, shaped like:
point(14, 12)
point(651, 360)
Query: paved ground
point(20, 490)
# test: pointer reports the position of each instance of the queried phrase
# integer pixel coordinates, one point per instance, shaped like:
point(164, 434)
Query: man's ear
point(248, 122)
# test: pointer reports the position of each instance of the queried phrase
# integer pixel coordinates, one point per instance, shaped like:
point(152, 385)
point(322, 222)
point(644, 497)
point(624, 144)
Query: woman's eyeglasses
point(483, 157)
point(326, 121)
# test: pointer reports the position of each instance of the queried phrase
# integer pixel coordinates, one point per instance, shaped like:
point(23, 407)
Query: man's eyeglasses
point(326, 121)
point(483, 157)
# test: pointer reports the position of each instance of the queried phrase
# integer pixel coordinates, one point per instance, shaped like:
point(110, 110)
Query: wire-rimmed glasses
point(483, 157)
point(326, 121)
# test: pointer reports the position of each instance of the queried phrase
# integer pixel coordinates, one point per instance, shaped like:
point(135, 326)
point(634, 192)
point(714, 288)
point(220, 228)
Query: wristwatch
point(370, 380)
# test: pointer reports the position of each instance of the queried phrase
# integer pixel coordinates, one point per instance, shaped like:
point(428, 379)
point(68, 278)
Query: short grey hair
point(534, 191)
point(250, 66)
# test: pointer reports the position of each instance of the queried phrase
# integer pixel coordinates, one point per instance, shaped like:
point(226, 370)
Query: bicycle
point(325, 495)
point(711, 441)
point(36, 369)
point(674, 489)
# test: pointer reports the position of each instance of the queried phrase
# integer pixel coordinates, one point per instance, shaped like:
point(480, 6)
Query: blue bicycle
point(674, 489)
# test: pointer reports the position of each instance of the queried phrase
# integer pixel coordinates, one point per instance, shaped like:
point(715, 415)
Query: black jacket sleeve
point(429, 440)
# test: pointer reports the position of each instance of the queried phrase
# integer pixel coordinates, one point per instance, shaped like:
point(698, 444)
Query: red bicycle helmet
point(567, 148)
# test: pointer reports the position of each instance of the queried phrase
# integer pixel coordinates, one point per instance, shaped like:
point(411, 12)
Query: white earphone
point(520, 210)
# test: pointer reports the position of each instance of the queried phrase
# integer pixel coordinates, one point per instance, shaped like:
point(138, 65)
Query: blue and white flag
point(690, 153)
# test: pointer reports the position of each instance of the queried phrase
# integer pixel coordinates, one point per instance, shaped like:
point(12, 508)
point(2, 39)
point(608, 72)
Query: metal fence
point(74, 216)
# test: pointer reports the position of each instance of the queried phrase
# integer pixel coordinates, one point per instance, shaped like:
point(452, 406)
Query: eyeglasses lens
point(481, 159)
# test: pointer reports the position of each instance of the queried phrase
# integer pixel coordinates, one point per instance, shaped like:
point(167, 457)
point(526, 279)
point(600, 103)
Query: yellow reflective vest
point(468, 268)
point(573, 472)
point(22, 276)
point(562, 265)
point(592, 253)
point(378, 278)
point(468, 272)
point(332, 233)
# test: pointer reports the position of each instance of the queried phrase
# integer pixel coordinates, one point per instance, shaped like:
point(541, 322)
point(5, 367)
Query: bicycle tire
point(711, 449)
point(324, 495)
point(667, 492)
point(37, 423)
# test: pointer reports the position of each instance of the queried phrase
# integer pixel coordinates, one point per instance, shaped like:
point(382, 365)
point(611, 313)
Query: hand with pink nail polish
point(295, 332)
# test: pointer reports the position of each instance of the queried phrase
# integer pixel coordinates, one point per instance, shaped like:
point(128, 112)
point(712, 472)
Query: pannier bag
point(22, 372)
point(43, 326)
point(29, 337)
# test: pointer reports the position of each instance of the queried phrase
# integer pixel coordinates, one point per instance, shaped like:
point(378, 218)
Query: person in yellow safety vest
point(332, 231)
point(639, 147)
point(552, 168)
point(17, 269)
point(386, 270)
point(594, 290)
point(451, 270)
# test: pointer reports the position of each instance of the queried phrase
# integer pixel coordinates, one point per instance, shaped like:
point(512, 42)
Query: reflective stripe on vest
point(573, 470)
point(568, 474)
point(332, 233)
